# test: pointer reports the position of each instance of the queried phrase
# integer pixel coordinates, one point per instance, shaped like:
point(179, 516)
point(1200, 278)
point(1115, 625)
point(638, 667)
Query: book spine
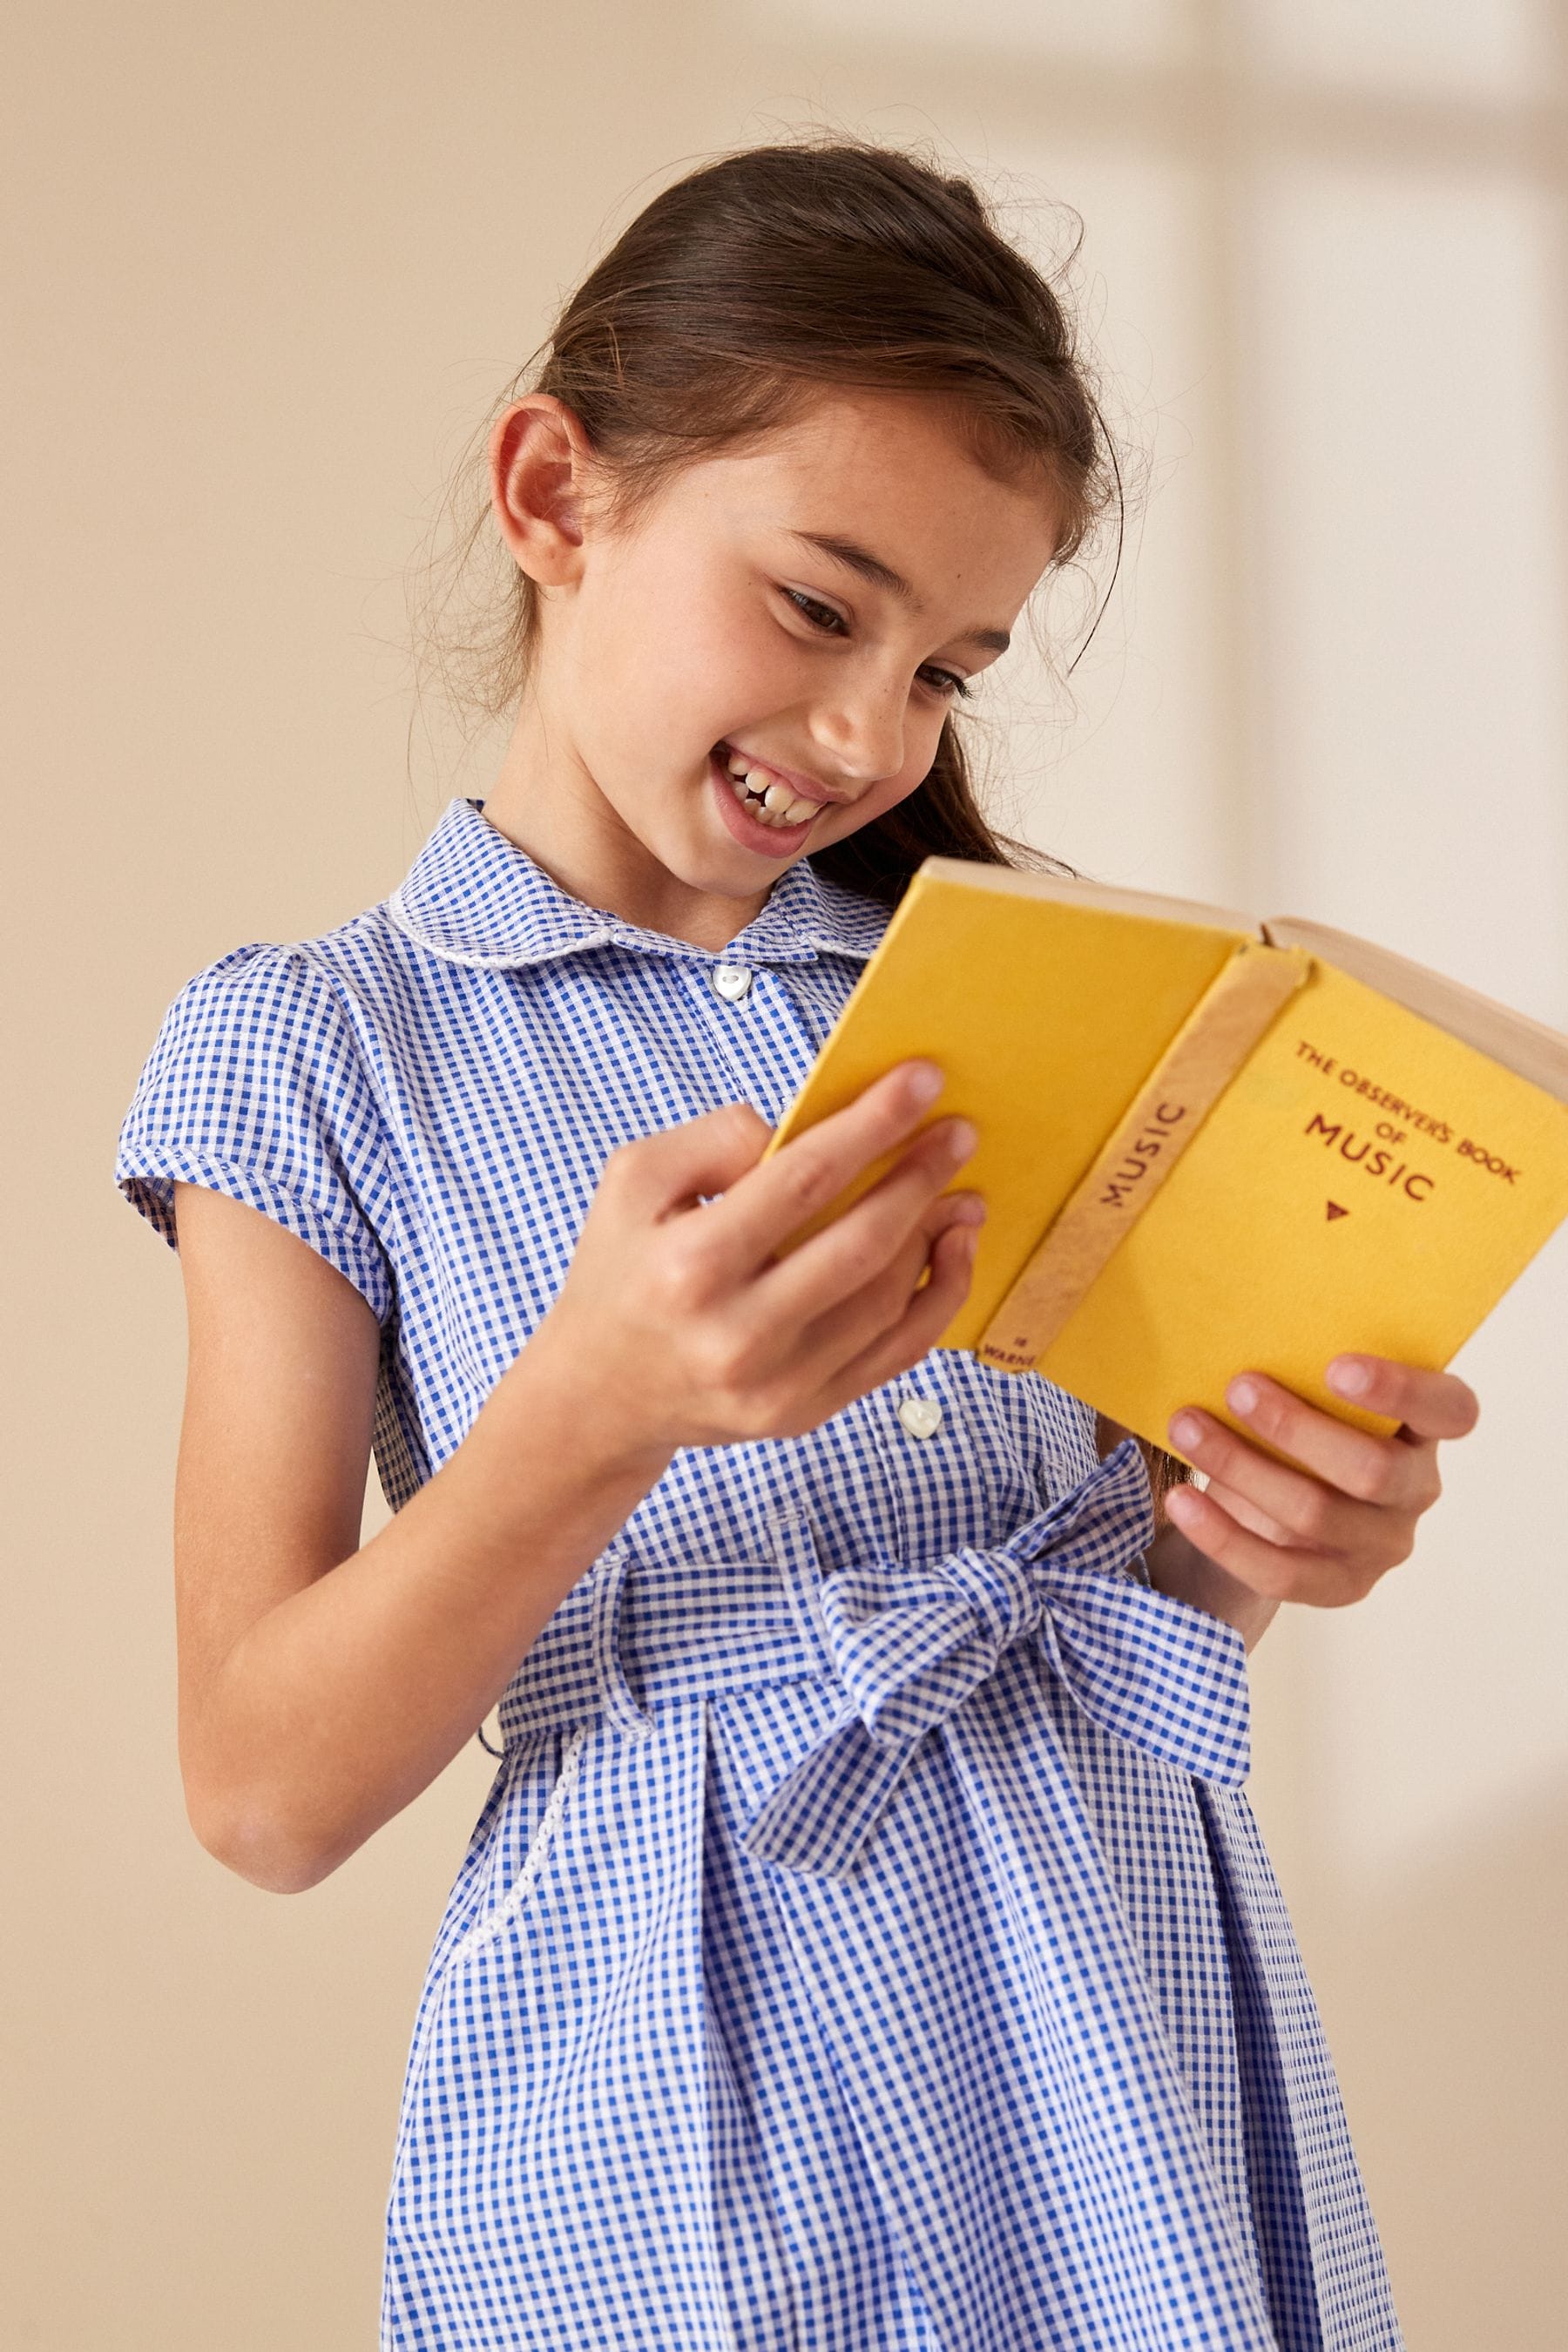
point(1209, 1048)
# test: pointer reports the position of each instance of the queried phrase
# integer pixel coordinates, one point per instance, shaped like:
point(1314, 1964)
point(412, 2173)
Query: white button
point(731, 979)
point(920, 1415)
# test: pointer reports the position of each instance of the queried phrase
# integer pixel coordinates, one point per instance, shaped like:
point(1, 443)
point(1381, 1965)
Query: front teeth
point(778, 805)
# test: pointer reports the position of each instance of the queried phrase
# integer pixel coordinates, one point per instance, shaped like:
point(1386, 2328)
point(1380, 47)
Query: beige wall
point(269, 266)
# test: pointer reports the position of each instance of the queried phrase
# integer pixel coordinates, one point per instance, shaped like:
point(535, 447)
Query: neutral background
point(266, 270)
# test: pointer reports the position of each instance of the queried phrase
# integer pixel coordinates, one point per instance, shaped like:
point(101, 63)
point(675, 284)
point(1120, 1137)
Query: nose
point(860, 726)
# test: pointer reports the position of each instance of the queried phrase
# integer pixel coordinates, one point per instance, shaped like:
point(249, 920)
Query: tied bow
point(909, 1648)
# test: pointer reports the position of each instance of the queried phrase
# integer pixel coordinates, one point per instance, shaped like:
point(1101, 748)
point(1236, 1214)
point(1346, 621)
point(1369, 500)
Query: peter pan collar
point(475, 898)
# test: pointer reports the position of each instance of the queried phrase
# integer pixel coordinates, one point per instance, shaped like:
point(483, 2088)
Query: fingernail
point(968, 1209)
point(1242, 1396)
point(962, 1138)
point(1349, 1375)
point(925, 1082)
point(1187, 1430)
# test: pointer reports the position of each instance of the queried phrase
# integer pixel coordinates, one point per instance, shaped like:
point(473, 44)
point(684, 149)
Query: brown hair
point(756, 280)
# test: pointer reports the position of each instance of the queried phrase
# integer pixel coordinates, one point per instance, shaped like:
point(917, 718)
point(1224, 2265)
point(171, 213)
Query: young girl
point(866, 1941)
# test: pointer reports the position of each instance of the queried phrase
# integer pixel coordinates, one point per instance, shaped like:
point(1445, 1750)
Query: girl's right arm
point(323, 1683)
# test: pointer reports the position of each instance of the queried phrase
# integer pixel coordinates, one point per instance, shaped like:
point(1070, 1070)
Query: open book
point(1206, 1143)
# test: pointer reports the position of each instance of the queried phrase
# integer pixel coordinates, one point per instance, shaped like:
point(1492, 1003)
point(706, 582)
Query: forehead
point(892, 471)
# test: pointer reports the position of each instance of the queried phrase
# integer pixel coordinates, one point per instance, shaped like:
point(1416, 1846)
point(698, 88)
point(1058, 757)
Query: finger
point(659, 1174)
point(1303, 1575)
point(1362, 1538)
point(1372, 1469)
point(832, 1265)
point(1317, 1508)
point(874, 1310)
point(1428, 1405)
point(917, 1329)
point(783, 1193)
point(1251, 1515)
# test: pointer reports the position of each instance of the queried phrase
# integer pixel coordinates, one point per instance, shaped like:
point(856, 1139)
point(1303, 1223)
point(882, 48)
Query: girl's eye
point(944, 682)
point(821, 616)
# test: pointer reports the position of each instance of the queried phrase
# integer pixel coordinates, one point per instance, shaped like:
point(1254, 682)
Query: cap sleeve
point(255, 1086)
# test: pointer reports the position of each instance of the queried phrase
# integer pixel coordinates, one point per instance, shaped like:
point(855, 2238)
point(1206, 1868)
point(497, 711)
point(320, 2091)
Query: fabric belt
point(905, 1648)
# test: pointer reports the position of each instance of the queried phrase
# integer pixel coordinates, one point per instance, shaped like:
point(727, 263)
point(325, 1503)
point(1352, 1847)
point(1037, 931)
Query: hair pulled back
point(756, 280)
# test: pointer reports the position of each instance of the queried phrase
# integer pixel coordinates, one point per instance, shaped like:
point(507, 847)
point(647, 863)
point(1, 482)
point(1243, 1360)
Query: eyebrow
point(867, 566)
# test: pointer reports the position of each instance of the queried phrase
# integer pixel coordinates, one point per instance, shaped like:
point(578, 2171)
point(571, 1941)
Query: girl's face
point(808, 612)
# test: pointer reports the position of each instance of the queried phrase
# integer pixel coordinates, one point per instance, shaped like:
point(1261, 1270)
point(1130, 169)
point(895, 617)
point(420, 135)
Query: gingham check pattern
point(907, 1650)
point(866, 1941)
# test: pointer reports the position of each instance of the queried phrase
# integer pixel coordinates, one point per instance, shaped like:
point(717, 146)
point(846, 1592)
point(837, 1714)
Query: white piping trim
point(516, 959)
point(400, 921)
point(533, 1860)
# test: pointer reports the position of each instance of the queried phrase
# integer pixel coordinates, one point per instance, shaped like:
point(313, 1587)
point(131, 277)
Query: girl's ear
point(540, 463)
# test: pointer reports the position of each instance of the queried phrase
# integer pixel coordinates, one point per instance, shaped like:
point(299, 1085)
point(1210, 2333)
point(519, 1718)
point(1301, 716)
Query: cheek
point(695, 662)
point(754, 668)
point(923, 732)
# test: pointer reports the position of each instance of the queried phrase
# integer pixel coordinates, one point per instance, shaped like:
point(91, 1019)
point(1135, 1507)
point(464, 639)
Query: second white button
point(922, 1416)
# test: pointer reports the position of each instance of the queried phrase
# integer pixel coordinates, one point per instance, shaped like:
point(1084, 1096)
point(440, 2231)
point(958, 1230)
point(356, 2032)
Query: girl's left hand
point(1325, 1533)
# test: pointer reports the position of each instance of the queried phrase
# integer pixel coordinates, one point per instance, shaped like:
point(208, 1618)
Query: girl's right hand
point(682, 1327)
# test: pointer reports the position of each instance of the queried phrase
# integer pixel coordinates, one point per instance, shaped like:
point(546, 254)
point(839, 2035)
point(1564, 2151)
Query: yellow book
point(1206, 1143)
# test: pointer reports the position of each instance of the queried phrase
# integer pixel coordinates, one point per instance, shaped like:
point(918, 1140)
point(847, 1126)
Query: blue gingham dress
point(866, 1941)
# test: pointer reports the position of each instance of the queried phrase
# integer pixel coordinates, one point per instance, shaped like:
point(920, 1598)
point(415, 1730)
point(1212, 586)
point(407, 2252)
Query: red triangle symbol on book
point(1336, 1210)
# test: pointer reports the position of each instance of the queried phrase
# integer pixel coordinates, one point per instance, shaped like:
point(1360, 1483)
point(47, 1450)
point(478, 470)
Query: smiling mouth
point(760, 792)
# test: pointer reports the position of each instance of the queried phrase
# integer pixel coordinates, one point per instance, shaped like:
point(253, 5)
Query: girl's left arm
point(1264, 1531)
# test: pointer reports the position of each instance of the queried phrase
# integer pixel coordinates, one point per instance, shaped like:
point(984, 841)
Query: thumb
point(681, 1165)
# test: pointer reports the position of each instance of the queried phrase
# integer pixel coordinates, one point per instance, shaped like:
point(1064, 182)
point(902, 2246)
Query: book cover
point(1204, 1147)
